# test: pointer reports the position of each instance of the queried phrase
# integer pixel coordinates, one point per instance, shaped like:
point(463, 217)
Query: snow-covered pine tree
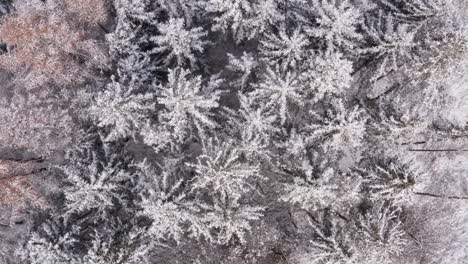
point(280, 91)
point(245, 66)
point(74, 243)
point(186, 9)
point(40, 251)
point(339, 127)
point(188, 103)
point(129, 250)
point(331, 242)
point(252, 118)
point(288, 50)
point(392, 44)
point(221, 171)
point(94, 181)
point(381, 233)
point(417, 10)
point(327, 75)
point(256, 126)
point(179, 44)
point(388, 179)
point(245, 19)
point(329, 190)
point(375, 235)
point(313, 182)
point(232, 220)
point(397, 127)
point(333, 23)
point(224, 178)
point(121, 110)
point(129, 43)
point(164, 192)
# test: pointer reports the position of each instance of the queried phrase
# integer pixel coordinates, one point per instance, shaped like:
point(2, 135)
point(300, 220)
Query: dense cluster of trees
point(236, 131)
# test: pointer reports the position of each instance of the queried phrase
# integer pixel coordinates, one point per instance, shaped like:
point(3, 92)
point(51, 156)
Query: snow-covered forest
point(233, 131)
